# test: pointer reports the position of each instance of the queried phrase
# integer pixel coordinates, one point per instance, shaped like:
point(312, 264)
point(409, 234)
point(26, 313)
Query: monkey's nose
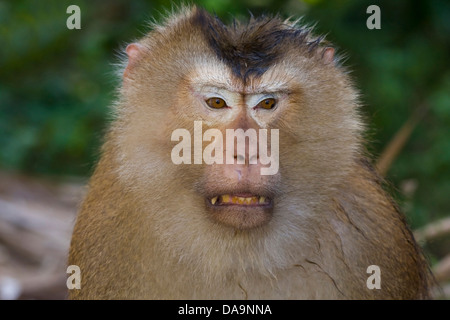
point(246, 159)
point(240, 158)
point(247, 156)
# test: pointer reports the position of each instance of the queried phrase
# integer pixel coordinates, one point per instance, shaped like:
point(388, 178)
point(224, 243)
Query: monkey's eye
point(216, 103)
point(268, 103)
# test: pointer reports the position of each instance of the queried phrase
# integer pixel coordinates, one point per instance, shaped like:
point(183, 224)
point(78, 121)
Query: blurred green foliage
point(56, 84)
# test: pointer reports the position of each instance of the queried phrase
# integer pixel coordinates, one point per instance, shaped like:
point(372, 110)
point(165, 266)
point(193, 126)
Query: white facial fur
point(214, 80)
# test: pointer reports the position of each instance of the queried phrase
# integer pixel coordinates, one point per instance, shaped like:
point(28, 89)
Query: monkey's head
point(193, 81)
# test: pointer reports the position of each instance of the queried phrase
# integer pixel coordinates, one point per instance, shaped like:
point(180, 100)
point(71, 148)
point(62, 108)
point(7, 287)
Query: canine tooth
point(213, 200)
point(262, 199)
point(225, 198)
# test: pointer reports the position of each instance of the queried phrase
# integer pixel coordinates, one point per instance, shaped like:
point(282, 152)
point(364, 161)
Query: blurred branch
point(23, 245)
point(45, 286)
point(441, 270)
point(433, 231)
point(443, 292)
point(36, 219)
point(395, 146)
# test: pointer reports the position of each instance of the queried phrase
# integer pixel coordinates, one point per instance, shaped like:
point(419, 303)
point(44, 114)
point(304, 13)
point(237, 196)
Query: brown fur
point(143, 231)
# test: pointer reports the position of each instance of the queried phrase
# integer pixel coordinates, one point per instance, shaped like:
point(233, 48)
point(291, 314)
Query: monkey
point(150, 228)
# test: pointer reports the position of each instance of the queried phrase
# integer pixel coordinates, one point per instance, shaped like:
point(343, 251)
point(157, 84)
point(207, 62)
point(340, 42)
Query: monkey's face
point(250, 136)
point(239, 178)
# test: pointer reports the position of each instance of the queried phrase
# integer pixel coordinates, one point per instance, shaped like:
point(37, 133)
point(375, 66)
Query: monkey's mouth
point(244, 200)
point(241, 209)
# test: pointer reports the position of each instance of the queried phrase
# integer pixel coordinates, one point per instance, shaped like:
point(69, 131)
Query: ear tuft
point(328, 55)
point(134, 53)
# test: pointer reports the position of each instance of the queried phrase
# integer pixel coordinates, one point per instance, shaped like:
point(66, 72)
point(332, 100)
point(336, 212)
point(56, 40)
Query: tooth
point(254, 200)
point(241, 200)
point(234, 199)
point(225, 198)
point(262, 199)
point(248, 200)
point(213, 200)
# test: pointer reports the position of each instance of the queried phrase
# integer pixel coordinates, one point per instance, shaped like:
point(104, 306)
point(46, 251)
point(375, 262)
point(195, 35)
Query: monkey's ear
point(134, 53)
point(328, 55)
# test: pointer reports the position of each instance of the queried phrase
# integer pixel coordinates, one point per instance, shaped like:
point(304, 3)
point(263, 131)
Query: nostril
point(254, 159)
point(240, 159)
